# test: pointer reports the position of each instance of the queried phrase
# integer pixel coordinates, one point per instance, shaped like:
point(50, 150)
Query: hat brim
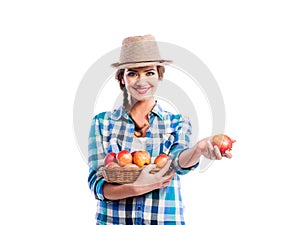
point(141, 64)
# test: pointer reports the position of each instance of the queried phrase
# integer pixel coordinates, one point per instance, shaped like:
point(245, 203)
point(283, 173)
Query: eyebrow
point(131, 70)
point(149, 70)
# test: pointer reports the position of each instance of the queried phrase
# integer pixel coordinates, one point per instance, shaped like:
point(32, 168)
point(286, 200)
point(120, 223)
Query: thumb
point(148, 168)
point(165, 168)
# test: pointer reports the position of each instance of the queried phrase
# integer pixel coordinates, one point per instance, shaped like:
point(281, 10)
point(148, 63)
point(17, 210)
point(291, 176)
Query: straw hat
point(139, 51)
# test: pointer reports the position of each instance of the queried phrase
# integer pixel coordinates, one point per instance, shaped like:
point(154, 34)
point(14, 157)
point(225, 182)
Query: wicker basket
point(122, 175)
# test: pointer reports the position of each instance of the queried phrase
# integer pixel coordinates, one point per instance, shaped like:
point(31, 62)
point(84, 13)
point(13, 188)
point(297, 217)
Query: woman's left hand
point(211, 152)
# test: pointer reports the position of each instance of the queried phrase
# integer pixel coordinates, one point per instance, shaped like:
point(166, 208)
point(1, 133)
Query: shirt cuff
point(99, 189)
point(180, 170)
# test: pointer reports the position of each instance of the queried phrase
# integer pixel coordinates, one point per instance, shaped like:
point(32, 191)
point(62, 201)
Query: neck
point(139, 114)
point(142, 108)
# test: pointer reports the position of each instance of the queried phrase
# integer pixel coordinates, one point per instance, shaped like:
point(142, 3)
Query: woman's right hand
point(149, 181)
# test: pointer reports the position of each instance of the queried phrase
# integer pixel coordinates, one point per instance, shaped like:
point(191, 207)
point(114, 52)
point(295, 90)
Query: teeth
point(142, 90)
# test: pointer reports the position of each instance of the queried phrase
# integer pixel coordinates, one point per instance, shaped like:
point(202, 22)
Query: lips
point(142, 90)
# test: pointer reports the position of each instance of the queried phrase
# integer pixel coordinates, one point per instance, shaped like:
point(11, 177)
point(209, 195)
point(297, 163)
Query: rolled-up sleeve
point(96, 184)
point(95, 159)
point(182, 135)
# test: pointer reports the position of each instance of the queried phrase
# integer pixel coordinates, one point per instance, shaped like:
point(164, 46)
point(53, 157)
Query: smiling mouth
point(143, 90)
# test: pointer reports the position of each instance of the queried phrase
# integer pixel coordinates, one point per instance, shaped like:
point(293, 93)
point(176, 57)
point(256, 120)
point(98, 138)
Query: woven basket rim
point(122, 168)
point(128, 169)
point(129, 174)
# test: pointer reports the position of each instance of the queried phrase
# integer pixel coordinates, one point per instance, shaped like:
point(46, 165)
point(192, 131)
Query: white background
point(251, 47)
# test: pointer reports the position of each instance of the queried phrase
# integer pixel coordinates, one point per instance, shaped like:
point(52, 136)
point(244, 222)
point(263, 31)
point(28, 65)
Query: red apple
point(132, 154)
point(223, 142)
point(124, 158)
point(141, 158)
point(110, 157)
point(112, 165)
point(161, 160)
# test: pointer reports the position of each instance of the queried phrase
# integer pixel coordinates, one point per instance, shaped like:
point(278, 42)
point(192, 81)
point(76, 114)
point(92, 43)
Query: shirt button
point(139, 208)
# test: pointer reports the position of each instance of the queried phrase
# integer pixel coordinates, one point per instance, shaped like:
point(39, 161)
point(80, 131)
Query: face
point(141, 83)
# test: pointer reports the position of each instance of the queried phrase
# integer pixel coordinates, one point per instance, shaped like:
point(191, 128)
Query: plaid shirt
point(112, 132)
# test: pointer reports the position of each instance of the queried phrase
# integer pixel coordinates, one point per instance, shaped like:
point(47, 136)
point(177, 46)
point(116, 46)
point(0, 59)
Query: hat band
point(149, 61)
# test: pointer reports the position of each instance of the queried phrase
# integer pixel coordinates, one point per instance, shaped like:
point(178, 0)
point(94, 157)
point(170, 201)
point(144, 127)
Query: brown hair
point(119, 77)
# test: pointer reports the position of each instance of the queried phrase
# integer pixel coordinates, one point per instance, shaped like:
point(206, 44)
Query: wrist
point(131, 189)
point(139, 189)
point(202, 146)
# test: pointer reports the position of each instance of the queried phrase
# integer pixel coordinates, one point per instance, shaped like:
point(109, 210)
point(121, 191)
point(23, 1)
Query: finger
point(148, 168)
point(165, 184)
point(165, 168)
point(168, 179)
point(169, 175)
point(228, 154)
point(210, 145)
point(210, 150)
point(214, 151)
point(217, 152)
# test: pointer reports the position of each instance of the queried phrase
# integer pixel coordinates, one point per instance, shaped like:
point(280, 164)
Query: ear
point(122, 81)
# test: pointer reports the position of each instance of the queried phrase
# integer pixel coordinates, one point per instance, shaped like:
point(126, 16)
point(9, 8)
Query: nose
point(142, 79)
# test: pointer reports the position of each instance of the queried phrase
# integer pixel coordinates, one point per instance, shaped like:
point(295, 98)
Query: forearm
point(145, 183)
point(189, 157)
point(121, 191)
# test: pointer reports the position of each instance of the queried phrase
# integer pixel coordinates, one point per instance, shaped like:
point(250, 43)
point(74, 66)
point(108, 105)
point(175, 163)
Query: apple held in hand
point(124, 158)
point(161, 160)
point(110, 157)
point(223, 142)
point(141, 158)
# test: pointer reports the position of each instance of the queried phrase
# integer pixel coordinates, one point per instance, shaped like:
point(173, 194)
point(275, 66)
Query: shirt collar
point(116, 114)
point(158, 110)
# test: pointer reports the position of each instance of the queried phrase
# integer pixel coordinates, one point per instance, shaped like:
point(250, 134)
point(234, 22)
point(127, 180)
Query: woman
point(142, 123)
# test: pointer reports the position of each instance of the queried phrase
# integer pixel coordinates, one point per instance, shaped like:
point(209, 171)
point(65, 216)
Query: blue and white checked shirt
point(112, 132)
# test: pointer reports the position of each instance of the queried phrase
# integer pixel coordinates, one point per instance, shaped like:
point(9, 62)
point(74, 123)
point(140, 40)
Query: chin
point(143, 98)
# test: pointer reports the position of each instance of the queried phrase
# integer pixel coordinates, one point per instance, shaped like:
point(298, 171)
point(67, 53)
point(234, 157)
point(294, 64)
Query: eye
point(131, 74)
point(150, 73)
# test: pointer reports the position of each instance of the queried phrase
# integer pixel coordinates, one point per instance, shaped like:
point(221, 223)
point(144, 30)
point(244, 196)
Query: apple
point(124, 158)
point(110, 157)
point(112, 165)
point(161, 160)
point(132, 154)
point(223, 142)
point(141, 158)
point(131, 166)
